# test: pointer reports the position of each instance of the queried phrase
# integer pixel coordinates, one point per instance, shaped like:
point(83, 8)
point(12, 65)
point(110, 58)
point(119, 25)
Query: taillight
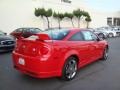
point(45, 50)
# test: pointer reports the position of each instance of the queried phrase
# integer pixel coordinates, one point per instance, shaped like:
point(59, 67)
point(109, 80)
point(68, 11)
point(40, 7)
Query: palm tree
point(78, 14)
point(39, 12)
point(70, 16)
point(48, 13)
point(87, 18)
point(59, 17)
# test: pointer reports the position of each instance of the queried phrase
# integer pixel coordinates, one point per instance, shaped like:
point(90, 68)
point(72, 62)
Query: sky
point(105, 5)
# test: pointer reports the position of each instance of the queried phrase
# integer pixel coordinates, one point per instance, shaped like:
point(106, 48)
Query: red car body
point(46, 58)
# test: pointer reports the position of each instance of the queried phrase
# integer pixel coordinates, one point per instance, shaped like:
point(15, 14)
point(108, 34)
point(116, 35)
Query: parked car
point(109, 31)
point(101, 34)
point(25, 32)
point(117, 30)
point(7, 43)
point(58, 53)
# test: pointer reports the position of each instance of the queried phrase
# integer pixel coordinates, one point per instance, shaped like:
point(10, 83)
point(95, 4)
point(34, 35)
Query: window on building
point(116, 21)
point(66, 1)
point(109, 21)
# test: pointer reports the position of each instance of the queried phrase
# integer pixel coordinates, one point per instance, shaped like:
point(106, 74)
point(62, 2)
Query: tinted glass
point(35, 30)
point(89, 36)
point(31, 30)
point(57, 34)
point(94, 36)
point(77, 37)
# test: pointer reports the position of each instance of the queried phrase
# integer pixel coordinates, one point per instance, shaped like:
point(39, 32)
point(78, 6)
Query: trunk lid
point(32, 47)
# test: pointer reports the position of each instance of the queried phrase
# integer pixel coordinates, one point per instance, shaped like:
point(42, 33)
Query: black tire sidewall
point(64, 68)
point(106, 50)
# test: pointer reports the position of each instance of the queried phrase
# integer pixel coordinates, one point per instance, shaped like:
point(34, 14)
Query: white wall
point(20, 13)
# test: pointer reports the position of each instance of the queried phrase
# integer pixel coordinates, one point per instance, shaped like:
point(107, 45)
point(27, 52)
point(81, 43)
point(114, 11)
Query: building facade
point(20, 13)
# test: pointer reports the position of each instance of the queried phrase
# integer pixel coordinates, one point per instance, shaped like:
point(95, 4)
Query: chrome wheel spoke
point(71, 68)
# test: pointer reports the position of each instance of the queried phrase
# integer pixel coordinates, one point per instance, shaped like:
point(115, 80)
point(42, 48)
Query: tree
point(78, 14)
point(48, 13)
point(39, 12)
point(87, 18)
point(59, 17)
point(70, 16)
point(44, 13)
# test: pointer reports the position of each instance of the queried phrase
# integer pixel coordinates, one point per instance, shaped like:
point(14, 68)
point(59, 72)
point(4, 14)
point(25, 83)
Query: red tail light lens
point(45, 50)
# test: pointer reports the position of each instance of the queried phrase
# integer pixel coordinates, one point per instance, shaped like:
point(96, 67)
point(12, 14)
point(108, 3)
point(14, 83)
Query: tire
point(110, 35)
point(105, 54)
point(101, 36)
point(70, 69)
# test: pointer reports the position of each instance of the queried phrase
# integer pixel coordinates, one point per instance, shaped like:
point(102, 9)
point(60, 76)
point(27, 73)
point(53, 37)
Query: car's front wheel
point(69, 69)
point(105, 54)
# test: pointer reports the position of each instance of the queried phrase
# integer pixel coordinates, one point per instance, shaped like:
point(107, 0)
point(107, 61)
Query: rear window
point(18, 30)
point(57, 34)
point(29, 30)
point(35, 30)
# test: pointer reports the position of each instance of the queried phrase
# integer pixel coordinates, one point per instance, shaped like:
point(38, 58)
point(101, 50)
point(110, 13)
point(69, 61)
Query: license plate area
point(21, 61)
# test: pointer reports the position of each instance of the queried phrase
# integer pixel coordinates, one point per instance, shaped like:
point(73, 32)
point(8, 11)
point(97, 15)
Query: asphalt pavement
point(100, 75)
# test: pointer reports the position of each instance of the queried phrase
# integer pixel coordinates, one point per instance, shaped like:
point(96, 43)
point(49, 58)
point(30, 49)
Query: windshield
point(57, 34)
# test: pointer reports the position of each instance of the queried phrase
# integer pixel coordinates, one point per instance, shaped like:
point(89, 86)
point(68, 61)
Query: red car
point(25, 32)
point(58, 53)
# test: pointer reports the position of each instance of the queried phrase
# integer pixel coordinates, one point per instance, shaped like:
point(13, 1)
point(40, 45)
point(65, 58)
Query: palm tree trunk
point(87, 24)
point(48, 22)
point(79, 22)
point(59, 24)
point(72, 22)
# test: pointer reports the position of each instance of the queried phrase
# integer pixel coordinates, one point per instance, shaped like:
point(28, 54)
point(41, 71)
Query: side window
point(89, 36)
point(26, 31)
point(34, 30)
point(77, 37)
point(94, 36)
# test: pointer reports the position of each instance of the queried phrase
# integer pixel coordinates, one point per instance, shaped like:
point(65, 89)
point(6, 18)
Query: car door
point(94, 45)
point(77, 43)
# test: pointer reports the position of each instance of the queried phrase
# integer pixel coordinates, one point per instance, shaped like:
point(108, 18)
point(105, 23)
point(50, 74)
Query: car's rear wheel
point(69, 69)
point(105, 54)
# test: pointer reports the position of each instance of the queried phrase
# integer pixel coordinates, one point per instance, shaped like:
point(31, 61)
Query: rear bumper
point(35, 67)
point(36, 74)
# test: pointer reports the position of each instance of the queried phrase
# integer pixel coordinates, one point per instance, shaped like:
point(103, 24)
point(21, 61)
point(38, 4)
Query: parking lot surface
point(100, 75)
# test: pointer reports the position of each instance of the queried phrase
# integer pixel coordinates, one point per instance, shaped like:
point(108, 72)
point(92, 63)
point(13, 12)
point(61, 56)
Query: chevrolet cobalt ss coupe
point(59, 52)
